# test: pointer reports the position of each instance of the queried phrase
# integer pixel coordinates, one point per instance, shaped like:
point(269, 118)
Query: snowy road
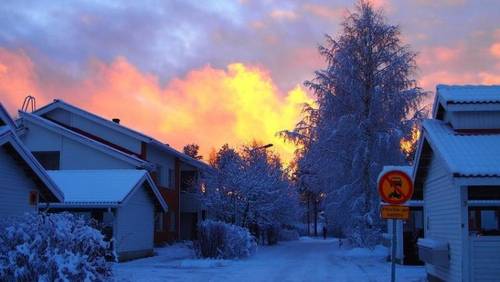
point(304, 260)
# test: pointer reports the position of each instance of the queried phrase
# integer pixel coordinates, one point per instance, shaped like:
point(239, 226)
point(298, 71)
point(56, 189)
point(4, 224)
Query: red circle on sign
point(394, 190)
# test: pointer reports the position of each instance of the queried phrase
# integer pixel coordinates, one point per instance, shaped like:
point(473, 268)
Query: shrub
point(51, 247)
point(288, 235)
point(225, 241)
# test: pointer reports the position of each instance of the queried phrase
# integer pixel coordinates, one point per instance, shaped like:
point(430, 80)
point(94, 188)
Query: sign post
point(395, 188)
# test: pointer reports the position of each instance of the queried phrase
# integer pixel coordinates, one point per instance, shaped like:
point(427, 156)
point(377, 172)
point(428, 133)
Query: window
point(484, 221)
point(484, 193)
point(48, 159)
point(159, 222)
point(188, 181)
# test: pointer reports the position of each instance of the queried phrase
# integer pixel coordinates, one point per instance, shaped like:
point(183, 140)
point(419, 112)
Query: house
point(175, 174)
point(410, 230)
point(124, 201)
point(457, 167)
point(23, 181)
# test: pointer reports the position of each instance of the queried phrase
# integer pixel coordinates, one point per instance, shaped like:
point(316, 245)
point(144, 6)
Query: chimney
point(116, 120)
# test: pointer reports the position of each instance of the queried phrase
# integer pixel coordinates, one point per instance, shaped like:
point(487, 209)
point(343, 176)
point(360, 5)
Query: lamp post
point(262, 147)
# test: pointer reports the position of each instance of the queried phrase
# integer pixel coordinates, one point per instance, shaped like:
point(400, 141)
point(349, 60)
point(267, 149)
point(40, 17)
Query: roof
point(85, 140)
point(107, 188)
point(57, 103)
point(469, 94)
point(51, 190)
point(466, 155)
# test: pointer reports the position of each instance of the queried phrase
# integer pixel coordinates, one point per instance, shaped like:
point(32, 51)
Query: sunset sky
point(211, 72)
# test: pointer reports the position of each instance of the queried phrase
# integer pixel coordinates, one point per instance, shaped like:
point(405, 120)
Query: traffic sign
point(395, 187)
point(395, 212)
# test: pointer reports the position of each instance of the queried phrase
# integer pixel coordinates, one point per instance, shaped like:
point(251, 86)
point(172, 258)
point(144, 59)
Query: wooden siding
point(15, 186)
point(474, 120)
point(443, 218)
point(94, 128)
point(135, 223)
point(74, 155)
point(485, 258)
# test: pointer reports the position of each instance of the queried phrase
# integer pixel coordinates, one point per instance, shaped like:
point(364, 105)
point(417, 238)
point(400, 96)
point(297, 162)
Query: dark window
point(484, 221)
point(484, 192)
point(48, 159)
point(188, 181)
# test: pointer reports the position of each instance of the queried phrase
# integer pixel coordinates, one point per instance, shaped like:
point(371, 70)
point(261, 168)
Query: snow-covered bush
point(51, 247)
point(288, 235)
point(221, 240)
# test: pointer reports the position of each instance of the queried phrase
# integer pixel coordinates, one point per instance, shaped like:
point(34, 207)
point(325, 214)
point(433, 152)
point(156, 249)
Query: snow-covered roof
point(469, 155)
point(51, 191)
point(84, 140)
point(109, 188)
point(469, 94)
point(57, 103)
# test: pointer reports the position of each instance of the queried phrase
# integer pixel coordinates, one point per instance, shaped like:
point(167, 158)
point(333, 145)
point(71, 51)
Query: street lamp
point(262, 147)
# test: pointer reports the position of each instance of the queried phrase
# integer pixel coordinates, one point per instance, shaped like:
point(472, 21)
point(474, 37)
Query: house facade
point(24, 183)
point(175, 174)
point(124, 201)
point(457, 166)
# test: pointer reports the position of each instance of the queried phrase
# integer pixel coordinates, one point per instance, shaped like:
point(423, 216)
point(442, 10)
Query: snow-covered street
point(304, 260)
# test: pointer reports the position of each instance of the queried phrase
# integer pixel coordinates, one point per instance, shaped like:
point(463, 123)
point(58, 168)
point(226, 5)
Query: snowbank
point(203, 263)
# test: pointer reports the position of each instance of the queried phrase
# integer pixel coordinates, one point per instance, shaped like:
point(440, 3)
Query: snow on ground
point(308, 259)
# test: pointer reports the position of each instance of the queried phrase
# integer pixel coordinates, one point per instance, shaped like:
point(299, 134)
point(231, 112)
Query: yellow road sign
point(395, 212)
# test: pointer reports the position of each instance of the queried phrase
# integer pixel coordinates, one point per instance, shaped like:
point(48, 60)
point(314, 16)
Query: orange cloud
point(17, 78)
point(208, 106)
point(495, 50)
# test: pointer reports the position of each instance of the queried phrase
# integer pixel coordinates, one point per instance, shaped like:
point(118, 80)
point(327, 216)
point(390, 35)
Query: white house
point(97, 170)
point(458, 168)
point(175, 173)
point(408, 231)
point(23, 181)
point(123, 200)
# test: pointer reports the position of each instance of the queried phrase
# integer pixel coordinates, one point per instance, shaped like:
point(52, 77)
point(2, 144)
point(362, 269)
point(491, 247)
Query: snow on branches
point(250, 188)
point(367, 102)
point(51, 247)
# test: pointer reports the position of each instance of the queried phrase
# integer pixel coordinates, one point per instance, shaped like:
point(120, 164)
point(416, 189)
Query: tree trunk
point(308, 215)
point(315, 217)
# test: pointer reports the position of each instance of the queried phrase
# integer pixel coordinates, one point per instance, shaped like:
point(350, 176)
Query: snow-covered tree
point(366, 102)
point(52, 247)
point(250, 188)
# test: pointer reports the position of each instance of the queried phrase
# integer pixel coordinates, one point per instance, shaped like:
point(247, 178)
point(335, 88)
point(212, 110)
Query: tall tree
point(367, 101)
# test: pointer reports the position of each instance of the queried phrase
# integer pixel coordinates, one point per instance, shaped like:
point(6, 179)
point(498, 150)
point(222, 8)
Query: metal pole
point(393, 256)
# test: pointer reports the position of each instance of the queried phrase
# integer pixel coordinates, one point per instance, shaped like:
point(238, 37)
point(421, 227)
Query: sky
point(215, 72)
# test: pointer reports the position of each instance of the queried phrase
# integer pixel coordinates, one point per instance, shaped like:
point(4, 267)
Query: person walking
point(324, 232)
